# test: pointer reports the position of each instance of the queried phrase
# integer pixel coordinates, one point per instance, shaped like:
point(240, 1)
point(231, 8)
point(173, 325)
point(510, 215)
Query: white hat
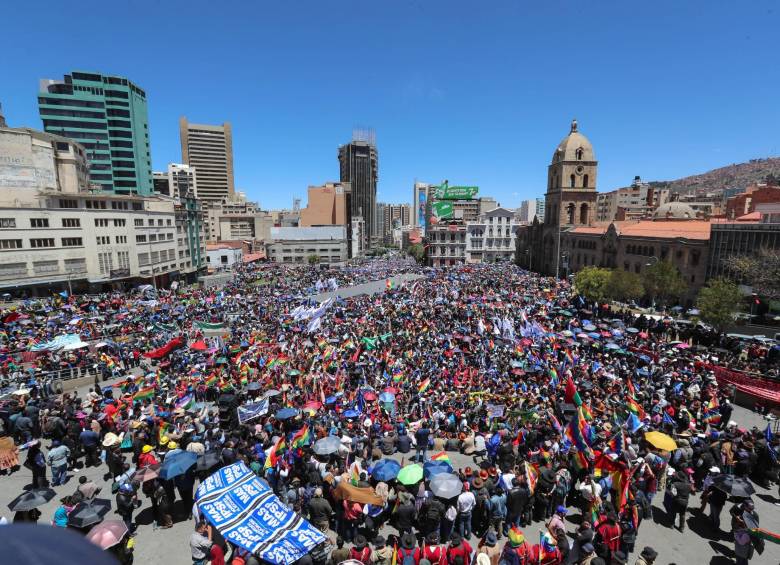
point(714, 470)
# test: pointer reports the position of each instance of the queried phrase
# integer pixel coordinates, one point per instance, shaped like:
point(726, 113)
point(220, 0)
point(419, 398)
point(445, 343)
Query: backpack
point(408, 556)
point(433, 513)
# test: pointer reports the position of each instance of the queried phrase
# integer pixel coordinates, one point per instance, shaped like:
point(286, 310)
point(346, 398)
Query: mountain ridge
point(736, 175)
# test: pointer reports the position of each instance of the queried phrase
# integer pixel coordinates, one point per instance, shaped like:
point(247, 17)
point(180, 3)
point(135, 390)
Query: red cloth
point(436, 554)
point(758, 387)
point(464, 550)
point(217, 555)
point(362, 555)
point(163, 351)
point(146, 459)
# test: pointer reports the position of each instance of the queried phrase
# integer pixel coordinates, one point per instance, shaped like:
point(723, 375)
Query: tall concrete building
point(359, 166)
point(530, 209)
point(209, 149)
point(395, 216)
point(326, 205)
point(420, 201)
point(107, 115)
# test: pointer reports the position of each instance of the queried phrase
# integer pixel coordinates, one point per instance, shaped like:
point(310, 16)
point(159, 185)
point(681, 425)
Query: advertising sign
point(446, 192)
point(442, 210)
point(421, 203)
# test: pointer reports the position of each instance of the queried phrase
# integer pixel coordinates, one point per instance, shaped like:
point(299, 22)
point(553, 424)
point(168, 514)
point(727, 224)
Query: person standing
point(125, 504)
point(680, 489)
point(422, 436)
point(89, 443)
point(36, 462)
point(57, 458)
point(466, 503)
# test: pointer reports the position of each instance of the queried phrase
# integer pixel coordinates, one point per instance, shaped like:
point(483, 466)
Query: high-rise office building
point(178, 181)
point(359, 165)
point(108, 116)
point(210, 150)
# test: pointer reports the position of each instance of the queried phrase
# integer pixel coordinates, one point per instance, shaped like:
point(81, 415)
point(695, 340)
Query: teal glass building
point(108, 116)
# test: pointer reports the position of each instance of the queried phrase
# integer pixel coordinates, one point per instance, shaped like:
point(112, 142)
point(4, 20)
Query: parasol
point(410, 475)
point(327, 445)
point(660, 441)
point(385, 470)
point(87, 513)
point(446, 485)
point(107, 534)
point(176, 464)
point(734, 486)
point(31, 499)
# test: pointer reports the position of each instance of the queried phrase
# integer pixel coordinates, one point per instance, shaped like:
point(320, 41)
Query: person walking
point(57, 458)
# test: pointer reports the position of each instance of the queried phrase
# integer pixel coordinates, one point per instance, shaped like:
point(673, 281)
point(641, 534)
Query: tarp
point(251, 411)
point(248, 514)
point(175, 343)
point(210, 326)
point(764, 389)
point(57, 343)
point(363, 495)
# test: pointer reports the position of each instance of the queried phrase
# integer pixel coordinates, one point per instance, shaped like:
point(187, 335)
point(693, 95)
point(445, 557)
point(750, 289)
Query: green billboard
point(446, 192)
point(442, 210)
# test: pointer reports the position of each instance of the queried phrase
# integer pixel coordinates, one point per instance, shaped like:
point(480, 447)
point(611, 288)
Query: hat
point(172, 445)
point(164, 440)
point(136, 424)
point(516, 537)
point(455, 539)
point(561, 510)
point(714, 470)
point(468, 472)
point(483, 474)
point(379, 542)
point(110, 439)
point(478, 483)
point(649, 553)
point(408, 541)
point(619, 558)
point(360, 541)
point(493, 472)
point(588, 548)
point(490, 538)
point(146, 449)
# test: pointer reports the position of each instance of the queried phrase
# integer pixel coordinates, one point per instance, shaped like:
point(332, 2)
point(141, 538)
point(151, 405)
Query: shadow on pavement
point(701, 525)
point(722, 550)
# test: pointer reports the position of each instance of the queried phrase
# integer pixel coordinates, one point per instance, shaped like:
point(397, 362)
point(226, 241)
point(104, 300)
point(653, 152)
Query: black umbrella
point(31, 499)
point(734, 486)
point(207, 461)
point(30, 543)
point(87, 513)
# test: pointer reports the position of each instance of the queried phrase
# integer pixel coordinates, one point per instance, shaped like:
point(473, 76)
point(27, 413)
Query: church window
point(584, 214)
point(585, 181)
point(570, 211)
point(571, 181)
point(579, 154)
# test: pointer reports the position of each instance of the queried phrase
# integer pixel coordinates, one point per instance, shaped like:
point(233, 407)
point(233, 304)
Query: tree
point(664, 282)
point(591, 282)
point(624, 286)
point(717, 303)
point(313, 259)
point(417, 251)
point(760, 271)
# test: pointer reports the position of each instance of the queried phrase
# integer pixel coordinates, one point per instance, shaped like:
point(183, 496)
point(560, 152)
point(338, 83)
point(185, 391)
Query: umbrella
point(199, 345)
point(632, 330)
point(682, 346)
point(446, 485)
point(271, 392)
point(385, 470)
point(286, 413)
point(433, 468)
point(661, 441)
point(733, 486)
point(87, 513)
point(206, 461)
point(612, 345)
point(31, 499)
point(148, 473)
point(177, 464)
point(589, 328)
point(254, 385)
point(410, 475)
point(351, 413)
point(369, 396)
point(594, 335)
point(327, 445)
point(107, 534)
point(30, 543)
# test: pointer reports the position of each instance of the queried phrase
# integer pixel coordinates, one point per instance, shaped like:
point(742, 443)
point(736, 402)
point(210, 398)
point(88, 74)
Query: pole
point(70, 289)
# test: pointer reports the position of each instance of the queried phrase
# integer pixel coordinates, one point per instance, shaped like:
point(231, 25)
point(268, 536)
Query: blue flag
point(633, 423)
point(668, 419)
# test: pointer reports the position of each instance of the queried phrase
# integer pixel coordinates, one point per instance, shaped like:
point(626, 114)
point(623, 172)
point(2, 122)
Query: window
point(150, 222)
point(159, 222)
point(138, 223)
point(155, 256)
point(42, 242)
point(121, 239)
point(42, 267)
point(138, 206)
point(7, 222)
point(12, 269)
point(571, 181)
point(101, 222)
point(105, 262)
point(140, 239)
point(153, 237)
point(117, 205)
point(10, 243)
point(72, 242)
point(97, 204)
point(68, 203)
point(75, 265)
point(71, 222)
point(123, 259)
point(585, 181)
point(39, 222)
point(143, 259)
point(119, 223)
point(170, 236)
point(103, 240)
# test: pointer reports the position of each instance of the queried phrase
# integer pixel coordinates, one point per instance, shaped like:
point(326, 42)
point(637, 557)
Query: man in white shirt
point(466, 503)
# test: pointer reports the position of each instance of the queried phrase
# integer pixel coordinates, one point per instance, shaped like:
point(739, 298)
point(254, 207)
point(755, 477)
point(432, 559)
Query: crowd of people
point(566, 413)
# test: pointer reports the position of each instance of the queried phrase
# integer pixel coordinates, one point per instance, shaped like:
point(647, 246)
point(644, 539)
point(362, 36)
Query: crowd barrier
point(764, 389)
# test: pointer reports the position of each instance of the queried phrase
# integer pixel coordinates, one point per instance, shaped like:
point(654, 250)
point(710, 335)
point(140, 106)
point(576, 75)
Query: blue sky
point(474, 92)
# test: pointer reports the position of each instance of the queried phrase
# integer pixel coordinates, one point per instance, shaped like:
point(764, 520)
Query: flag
point(162, 431)
point(617, 444)
point(635, 408)
point(711, 412)
point(547, 545)
point(275, 453)
point(144, 393)
point(668, 419)
point(553, 378)
point(578, 432)
point(555, 423)
point(531, 476)
point(301, 437)
point(769, 436)
point(211, 380)
point(185, 402)
point(389, 284)
point(424, 386)
point(441, 456)
point(633, 423)
point(580, 461)
point(571, 395)
point(765, 535)
point(394, 558)
point(354, 475)
point(586, 413)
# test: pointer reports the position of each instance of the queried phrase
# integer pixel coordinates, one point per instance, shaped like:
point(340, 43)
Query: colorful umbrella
point(410, 475)
point(107, 534)
point(660, 441)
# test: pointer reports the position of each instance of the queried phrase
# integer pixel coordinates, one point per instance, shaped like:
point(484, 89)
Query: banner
point(163, 351)
point(446, 192)
point(248, 514)
point(442, 210)
point(209, 326)
point(251, 411)
point(496, 410)
point(764, 389)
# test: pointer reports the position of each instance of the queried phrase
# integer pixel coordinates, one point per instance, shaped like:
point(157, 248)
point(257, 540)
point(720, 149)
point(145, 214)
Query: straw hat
point(111, 439)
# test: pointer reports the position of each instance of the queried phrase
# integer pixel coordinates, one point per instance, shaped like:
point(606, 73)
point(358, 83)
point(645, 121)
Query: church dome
point(574, 147)
point(674, 211)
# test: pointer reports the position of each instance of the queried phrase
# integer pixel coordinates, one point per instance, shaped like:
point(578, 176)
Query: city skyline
point(480, 111)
